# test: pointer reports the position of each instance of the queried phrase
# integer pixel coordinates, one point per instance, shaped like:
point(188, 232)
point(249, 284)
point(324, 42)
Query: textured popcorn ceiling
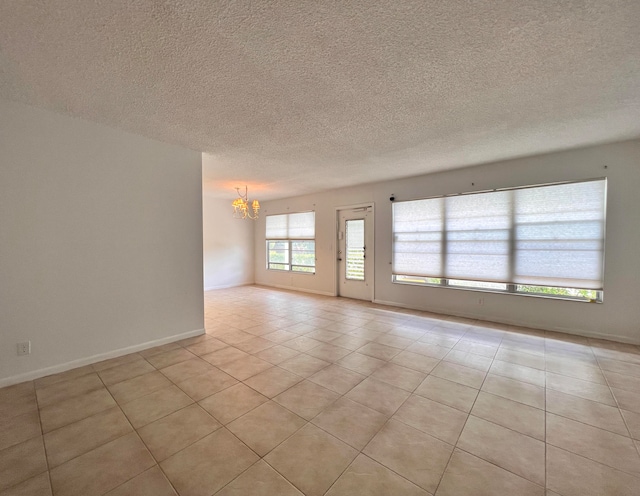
point(295, 96)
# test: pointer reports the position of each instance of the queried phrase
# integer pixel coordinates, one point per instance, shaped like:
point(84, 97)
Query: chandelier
point(243, 208)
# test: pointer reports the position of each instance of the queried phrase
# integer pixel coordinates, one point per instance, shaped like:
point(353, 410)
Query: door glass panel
point(355, 249)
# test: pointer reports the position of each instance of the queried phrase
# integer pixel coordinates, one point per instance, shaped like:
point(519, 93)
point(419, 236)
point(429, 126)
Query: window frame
point(289, 265)
point(510, 287)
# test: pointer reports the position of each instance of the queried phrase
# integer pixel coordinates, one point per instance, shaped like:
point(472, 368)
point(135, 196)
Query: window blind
point(542, 235)
point(291, 226)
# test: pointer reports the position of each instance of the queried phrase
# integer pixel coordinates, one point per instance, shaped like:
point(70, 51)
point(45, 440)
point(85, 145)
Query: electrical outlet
point(24, 348)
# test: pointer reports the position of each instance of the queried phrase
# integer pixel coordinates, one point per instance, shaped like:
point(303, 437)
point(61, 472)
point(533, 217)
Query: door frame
point(370, 253)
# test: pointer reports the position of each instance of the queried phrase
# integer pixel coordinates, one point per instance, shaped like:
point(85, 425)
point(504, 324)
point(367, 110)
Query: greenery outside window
point(290, 242)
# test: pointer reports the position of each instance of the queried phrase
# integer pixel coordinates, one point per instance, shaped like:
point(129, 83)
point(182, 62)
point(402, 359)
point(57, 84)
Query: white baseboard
point(227, 286)
point(471, 315)
point(63, 367)
point(295, 288)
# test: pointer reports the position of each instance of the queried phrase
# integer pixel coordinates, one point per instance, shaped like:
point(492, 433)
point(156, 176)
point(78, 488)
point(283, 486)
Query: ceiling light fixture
point(241, 209)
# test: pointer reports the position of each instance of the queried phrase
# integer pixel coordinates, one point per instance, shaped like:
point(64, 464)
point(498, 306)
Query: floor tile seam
point(604, 371)
point(169, 414)
point(282, 475)
point(337, 392)
point(469, 366)
point(175, 383)
point(637, 475)
point(208, 396)
point(14, 486)
point(44, 446)
point(410, 391)
point(241, 473)
point(599, 357)
point(133, 430)
point(522, 347)
point(36, 388)
point(551, 388)
point(508, 428)
point(564, 374)
point(615, 399)
point(398, 419)
point(306, 422)
point(543, 409)
point(440, 402)
point(297, 414)
point(310, 356)
point(456, 445)
point(95, 371)
point(389, 418)
point(439, 361)
point(506, 360)
point(145, 393)
point(156, 464)
point(92, 449)
point(543, 487)
point(57, 401)
point(49, 468)
point(40, 434)
point(162, 416)
point(242, 415)
point(375, 461)
point(115, 405)
point(445, 467)
point(132, 377)
point(471, 409)
point(481, 343)
point(547, 412)
point(273, 366)
point(359, 450)
point(515, 379)
point(561, 448)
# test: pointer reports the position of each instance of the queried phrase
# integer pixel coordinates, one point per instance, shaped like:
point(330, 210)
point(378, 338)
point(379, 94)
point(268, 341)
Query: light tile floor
point(290, 394)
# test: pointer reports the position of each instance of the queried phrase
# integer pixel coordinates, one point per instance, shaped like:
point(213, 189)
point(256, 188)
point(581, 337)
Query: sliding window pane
point(303, 256)
point(278, 253)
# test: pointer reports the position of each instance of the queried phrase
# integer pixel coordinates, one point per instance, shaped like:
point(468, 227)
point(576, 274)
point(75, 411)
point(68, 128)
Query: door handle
point(339, 260)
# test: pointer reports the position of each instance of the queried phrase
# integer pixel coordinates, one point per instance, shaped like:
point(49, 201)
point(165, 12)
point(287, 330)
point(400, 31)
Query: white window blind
point(543, 235)
point(291, 226)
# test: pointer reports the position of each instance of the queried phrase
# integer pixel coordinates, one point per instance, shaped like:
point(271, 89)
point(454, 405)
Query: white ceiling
point(296, 96)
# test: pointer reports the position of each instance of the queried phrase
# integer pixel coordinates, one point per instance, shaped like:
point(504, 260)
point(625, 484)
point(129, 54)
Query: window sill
point(497, 291)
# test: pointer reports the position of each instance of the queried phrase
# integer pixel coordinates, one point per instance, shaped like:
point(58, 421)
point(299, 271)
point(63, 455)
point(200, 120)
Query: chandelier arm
point(242, 207)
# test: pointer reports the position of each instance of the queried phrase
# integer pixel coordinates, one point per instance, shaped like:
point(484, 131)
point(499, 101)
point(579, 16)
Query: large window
point(535, 240)
point(291, 242)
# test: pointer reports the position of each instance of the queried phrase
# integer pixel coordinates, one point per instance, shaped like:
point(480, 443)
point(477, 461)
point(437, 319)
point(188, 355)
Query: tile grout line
point(624, 420)
point(455, 445)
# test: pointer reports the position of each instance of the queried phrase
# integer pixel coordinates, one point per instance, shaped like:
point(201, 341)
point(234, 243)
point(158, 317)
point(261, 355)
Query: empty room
point(319, 248)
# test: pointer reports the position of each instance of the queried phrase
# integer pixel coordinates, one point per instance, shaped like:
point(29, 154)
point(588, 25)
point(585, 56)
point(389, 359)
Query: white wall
point(228, 245)
point(100, 242)
point(617, 318)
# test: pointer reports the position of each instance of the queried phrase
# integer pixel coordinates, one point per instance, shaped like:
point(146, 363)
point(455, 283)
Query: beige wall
point(228, 245)
point(100, 242)
point(617, 318)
